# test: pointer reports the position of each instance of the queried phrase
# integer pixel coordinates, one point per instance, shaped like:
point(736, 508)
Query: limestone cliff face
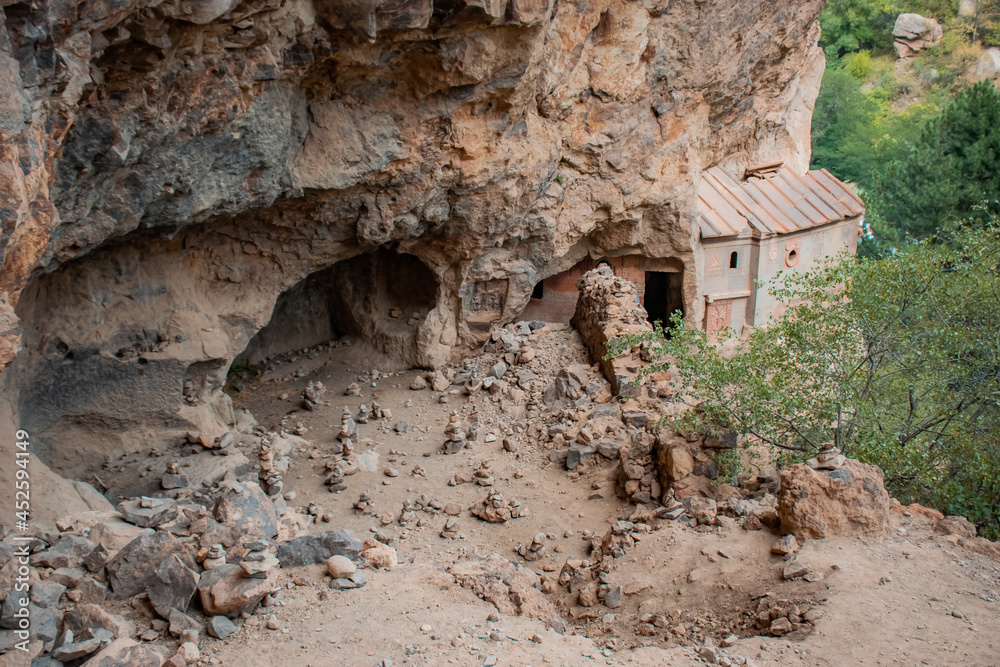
point(170, 167)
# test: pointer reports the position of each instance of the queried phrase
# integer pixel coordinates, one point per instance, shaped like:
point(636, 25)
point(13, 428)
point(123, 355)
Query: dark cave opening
point(380, 298)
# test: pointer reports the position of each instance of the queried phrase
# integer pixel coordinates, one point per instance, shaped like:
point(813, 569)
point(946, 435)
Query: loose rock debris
point(232, 548)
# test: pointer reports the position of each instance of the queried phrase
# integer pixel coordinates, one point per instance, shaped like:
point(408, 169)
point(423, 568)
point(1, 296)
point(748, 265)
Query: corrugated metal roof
point(780, 203)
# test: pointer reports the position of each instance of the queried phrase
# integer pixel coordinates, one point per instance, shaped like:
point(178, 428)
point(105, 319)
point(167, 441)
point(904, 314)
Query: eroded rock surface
point(850, 501)
point(169, 170)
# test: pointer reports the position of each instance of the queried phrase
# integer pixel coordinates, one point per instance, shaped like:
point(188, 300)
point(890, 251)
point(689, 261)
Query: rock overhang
point(173, 192)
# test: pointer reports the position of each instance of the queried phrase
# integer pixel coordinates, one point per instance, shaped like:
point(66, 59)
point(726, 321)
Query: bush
point(895, 360)
point(859, 65)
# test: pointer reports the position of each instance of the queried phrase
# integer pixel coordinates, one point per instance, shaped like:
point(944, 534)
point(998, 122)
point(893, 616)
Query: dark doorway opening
point(663, 296)
point(539, 291)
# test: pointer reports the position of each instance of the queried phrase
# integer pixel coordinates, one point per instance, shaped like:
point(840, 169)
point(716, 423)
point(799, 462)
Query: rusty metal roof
point(779, 203)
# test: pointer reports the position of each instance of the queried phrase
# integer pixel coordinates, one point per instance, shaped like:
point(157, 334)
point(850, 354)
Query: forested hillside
point(915, 133)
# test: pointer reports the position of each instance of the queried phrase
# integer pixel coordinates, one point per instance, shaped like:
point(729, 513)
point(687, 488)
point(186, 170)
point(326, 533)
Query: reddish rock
point(378, 555)
point(982, 546)
point(702, 510)
point(509, 586)
point(850, 501)
point(226, 591)
point(955, 525)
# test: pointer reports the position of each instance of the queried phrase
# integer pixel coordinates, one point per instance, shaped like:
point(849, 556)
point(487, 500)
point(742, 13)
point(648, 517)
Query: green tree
point(853, 25)
point(841, 114)
point(951, 169)
point(896, 360)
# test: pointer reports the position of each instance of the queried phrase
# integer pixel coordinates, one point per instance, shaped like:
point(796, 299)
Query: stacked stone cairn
point(457, 435)
point(828, 458)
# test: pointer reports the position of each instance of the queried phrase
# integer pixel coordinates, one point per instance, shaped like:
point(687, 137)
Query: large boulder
point(915, 26)
point(134, 569)
point(913, 32)
point(248, 507)
point(173, 587)
point(988, 65)
point(850, 501)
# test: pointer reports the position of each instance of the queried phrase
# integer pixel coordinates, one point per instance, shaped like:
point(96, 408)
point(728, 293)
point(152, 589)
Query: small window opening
point(539, 291)
point(792, 258)
point(734, 260)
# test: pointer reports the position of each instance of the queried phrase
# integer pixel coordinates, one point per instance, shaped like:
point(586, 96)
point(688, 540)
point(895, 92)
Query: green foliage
point(952, 167)
point(855, 130)
point(842, 112)
point(896, 360)
point(854, 25)
point(985, 25)
point(730, 465)
point(945, 64)
point(859, 65)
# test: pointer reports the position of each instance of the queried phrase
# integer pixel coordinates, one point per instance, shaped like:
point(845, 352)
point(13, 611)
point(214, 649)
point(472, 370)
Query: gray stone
point(579, 455)
point(76, 650)
point(498, 369)
point(248, 507)
point(988, 65)
point(13, 603)
point(613, 599)
point(221, 627)
point(125, 652)
point(708, 651)
point(67, 552)
point(609, 449)
point(44, 623)
point(173, 587)
point(46, 593)
point(317, 548)
point(173, 481)
point(163, 511)
point(635, 419)
point(130, 572)
point(96, 559)
point(90, 616)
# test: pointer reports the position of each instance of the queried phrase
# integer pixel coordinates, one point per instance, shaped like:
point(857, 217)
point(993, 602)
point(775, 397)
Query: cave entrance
point(381, 298)
point(662, 296)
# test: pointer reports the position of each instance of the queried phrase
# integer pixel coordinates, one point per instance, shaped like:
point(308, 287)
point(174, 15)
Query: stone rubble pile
point(186, 570)
point(497, 509)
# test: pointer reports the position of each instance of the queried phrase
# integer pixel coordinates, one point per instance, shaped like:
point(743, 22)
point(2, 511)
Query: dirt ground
point(915, 599)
